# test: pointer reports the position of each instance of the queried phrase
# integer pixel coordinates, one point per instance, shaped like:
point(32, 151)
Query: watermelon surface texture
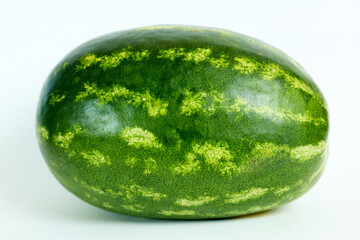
point(182, 122)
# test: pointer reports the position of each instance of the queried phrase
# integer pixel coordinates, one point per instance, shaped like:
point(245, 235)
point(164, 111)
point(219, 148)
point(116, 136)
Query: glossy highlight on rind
point(182, 122)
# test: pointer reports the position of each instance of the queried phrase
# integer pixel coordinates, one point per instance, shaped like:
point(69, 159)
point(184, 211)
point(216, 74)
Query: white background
point(323, 36)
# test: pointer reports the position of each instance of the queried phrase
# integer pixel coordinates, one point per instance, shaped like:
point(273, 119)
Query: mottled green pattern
point(245, 65)
point(182, 122)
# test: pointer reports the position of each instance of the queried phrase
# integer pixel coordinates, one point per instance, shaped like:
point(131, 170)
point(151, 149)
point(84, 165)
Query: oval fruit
point(182, 122)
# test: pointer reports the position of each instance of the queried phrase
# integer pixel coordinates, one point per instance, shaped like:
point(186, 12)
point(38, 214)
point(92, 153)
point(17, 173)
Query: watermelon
point(182, 122)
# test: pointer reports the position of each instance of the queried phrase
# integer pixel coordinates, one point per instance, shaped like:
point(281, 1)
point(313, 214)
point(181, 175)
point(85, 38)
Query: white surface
point(323, 36)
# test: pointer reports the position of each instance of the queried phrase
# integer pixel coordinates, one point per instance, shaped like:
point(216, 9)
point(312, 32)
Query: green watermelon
point(182, 122)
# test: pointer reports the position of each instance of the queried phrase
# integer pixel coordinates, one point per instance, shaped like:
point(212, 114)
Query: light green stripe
point(220, 158)
point(305, 153)
point(242, 106)
point(245, 195)
point(64, 140)
point(190, 166)
point(179, 213)
point(195, 202)
point(108, 205)
point(150, 166)
point(111, 60)
point(55, 98)
point(245, 65)
point(281, 190)
point(139, 137)
point(192, 103)
point(220, 62)
point(134, 191)
point(190, 55)
point(129, 192)
point(215, 155)
point(154, 106)
point(95, 158)
point(131, 162)
point(209, 102)
point(43, 132)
